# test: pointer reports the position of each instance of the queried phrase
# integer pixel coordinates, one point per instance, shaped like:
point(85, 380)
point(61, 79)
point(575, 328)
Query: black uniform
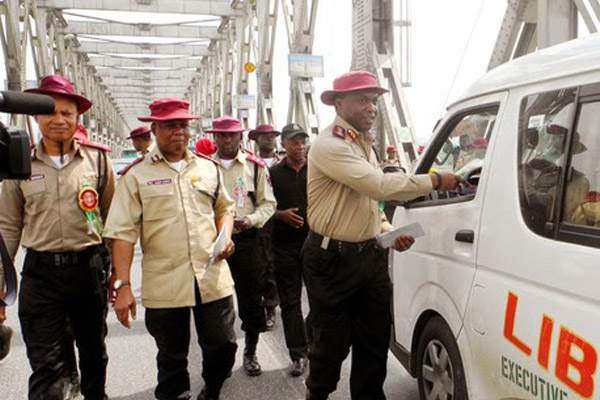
point(289, 187)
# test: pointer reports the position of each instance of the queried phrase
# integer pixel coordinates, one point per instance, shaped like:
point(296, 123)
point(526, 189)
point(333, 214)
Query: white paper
point(388, 238)
point(219, 244)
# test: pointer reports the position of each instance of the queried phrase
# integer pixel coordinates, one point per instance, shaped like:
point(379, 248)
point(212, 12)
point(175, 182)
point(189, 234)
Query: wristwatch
point(119, 284)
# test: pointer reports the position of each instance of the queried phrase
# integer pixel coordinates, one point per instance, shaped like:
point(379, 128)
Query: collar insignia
point(352, 134)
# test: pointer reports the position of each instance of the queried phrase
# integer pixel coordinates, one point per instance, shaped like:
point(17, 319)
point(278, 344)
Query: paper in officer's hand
point(387, 239)
point(219, 245)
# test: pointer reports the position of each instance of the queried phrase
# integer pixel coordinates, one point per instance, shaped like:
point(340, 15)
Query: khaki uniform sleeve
point(224, 204)
point(107, 194)
point(265, 200)
point(336, 160)
point(125, 214)
point(11, 219)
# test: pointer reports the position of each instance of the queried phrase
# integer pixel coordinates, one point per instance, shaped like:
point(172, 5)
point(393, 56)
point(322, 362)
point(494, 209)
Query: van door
point(436, 274)
point(534, 318)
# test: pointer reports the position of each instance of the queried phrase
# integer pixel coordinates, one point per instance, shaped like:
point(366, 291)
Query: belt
point(64, 258)
point(337, 246)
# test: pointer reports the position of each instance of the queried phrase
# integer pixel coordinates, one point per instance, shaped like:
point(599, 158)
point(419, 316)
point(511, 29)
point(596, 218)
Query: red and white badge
point(88, 199)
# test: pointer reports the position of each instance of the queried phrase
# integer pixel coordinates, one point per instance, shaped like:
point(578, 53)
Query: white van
point(501, 297)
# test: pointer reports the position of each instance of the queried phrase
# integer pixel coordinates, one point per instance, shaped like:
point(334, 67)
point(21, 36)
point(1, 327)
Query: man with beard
point(345, 271)
point(247, 180)
point(289, 232)
point(173, 200)
point(57, 215)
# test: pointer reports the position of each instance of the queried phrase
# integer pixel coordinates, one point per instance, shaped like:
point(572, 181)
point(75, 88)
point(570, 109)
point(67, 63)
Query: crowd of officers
point(208, 225)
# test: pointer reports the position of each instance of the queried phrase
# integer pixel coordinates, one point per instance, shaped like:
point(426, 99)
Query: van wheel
point(440, 371)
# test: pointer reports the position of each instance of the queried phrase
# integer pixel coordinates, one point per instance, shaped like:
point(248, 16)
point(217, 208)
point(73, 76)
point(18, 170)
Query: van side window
point(582, 197)
point(544, 122)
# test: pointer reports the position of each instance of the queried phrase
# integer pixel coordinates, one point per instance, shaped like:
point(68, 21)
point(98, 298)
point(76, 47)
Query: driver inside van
point(544, 171)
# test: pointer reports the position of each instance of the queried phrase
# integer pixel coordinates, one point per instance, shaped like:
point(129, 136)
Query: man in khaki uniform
point(345, 272)
point(57, 215)
point(247, 180)
point(141, 139)
point(175, 202)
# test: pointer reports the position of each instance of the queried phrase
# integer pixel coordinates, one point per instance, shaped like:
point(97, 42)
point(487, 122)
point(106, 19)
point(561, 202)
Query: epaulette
point(208, 158)
point(339, 132)
point(89, 143)
point(259, 161)
point(592, 197)
point(127, 168)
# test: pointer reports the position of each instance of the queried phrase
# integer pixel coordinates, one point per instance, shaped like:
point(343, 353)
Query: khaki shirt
point(239, 183)
point(173, 213)
point(345, 185)
point(43, 212)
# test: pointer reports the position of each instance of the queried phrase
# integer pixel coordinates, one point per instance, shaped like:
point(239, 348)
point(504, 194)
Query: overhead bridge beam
point(120, 84)
point(156, 63)
point(138, 75)
point(143, 30)
point(154, 49)
point(219, 8)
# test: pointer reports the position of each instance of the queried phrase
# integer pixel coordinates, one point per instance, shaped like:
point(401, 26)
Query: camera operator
point(57, 216)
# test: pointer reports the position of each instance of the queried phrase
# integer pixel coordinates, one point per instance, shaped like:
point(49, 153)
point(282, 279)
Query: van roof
point(569, 58)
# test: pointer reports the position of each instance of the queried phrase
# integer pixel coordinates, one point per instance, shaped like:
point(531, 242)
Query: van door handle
point(465, 235)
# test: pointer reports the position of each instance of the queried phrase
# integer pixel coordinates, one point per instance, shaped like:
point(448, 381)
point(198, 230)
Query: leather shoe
point(205, 396)
point(298, 367)
point(270, 318)
point(6, 334)
point(251, 365)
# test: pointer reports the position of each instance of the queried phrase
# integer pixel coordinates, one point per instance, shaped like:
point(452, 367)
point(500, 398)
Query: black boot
point(251, 365)
point(205, 395)
point(270, 318)
point(6, 334)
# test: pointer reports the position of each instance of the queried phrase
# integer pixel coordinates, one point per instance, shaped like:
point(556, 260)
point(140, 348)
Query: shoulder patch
point(247, 151)
point(200, 155)
point(339, 131)
point(89, 143)
point(127, 168)
point(259, 161)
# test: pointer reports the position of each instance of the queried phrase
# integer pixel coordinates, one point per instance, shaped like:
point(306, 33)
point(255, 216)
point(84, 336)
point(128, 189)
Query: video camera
point(15, 153)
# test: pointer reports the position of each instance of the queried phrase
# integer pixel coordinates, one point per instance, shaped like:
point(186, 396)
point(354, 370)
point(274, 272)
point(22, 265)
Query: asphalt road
point(132, 366)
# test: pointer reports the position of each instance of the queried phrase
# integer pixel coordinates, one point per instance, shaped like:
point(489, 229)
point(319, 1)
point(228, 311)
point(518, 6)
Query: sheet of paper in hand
point(387, 239)
point(219, 244)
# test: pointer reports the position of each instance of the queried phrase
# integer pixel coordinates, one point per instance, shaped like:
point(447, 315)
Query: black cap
point(291, 130)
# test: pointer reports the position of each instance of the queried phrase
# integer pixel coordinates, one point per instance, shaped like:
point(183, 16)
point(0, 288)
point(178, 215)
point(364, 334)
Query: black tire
point(439, 380)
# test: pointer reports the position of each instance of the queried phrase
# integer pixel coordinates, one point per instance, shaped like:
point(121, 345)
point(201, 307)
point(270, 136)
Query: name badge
point(160, 182)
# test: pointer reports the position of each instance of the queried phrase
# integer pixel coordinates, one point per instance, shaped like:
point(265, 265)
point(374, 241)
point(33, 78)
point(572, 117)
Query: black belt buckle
point(62, 260)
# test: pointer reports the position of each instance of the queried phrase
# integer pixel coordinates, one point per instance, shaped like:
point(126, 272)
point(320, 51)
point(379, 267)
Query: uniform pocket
point(158, 201)
point(204, 195)
point(35, 193)
point(90, 179)
point(158, 283)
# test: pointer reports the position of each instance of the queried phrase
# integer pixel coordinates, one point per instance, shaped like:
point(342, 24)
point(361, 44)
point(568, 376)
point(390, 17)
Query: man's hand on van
point(403, 243)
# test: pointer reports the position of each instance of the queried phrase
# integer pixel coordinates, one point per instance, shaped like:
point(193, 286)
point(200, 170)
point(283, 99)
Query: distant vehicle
point(500, 298)
point(130, 153)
